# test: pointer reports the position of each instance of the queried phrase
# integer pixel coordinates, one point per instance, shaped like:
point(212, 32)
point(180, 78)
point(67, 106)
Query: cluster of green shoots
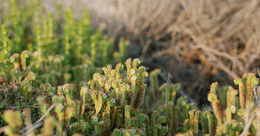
point(63, 48)
point(60, 77)
point(118, 102)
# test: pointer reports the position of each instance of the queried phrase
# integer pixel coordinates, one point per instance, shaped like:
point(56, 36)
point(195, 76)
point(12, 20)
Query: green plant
point(63, 86)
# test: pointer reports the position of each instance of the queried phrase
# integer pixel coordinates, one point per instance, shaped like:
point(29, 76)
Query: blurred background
point(197, 41)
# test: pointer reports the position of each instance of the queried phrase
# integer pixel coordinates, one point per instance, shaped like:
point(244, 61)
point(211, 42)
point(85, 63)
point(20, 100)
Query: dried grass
point(226, 33)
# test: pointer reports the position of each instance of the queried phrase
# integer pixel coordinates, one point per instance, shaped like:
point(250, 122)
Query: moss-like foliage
point(57, 78)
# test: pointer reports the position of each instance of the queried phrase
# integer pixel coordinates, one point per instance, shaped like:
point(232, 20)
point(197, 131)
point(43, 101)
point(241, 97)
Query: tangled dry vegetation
point(197, 41)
